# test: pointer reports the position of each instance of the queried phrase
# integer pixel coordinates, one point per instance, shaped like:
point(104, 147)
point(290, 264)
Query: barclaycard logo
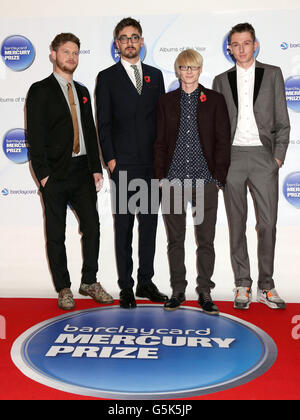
point(15, 146)
point(291, 189)
point(17, 52)
point(286, 45)
point(160, 354)
point(4, 192)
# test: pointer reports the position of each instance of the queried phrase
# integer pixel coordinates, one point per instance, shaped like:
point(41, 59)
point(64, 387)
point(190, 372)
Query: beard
point(66, 68)
point(130, 52)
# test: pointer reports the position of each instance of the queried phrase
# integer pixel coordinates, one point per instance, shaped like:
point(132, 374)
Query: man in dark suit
point(65, 159)
point(255, 97)
point(126, 97)
point(192, 144)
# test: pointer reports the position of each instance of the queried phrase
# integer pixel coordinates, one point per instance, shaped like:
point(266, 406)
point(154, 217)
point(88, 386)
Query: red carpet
point(280, 382)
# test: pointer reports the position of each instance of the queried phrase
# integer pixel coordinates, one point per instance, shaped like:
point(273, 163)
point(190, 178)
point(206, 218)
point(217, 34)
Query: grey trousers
point(252, 168)
point(204, 236)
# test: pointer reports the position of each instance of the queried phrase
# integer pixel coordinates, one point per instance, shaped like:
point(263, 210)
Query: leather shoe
point(175, 301)
point(151, 292)
point(127, 299)
point(206, 303)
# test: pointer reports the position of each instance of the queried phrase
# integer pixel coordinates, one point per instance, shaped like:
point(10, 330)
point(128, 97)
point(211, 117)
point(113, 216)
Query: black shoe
point(207, 304)
point(175, 301)
point(127, 299)
point(150, 291)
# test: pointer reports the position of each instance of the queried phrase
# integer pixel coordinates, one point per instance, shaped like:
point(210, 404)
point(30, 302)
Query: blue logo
point(17, 52)
point(15, 146)
point(160, 354)
point(284, 45)
point(291, 189)
point(4, 192)
point(292, 92)
point(226, 51)
point(116, 56)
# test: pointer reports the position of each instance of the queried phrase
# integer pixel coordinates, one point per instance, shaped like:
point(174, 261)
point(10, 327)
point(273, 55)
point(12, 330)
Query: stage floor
point(279, 382)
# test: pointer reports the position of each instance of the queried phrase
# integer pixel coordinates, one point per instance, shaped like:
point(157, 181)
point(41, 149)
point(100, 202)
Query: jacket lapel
point(259, 73)
point(174, 117)
point(59, 93)
point(233, 85)
point(125, 79)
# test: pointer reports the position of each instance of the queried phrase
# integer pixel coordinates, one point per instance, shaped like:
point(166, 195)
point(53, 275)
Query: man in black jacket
point(126, 96)
point(65, 158)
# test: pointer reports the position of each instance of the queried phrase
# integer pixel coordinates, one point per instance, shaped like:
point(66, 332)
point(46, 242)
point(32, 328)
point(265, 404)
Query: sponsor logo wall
point(24, 46)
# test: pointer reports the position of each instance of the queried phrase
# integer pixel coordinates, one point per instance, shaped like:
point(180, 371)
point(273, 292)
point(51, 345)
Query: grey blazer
point(269, 105)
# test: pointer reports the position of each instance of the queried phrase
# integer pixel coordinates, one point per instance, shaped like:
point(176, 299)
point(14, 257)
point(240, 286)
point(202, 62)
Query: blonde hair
point(188, 57)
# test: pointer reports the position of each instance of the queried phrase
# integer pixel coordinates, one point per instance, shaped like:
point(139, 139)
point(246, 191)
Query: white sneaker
point(242, 297)
point(270, 298)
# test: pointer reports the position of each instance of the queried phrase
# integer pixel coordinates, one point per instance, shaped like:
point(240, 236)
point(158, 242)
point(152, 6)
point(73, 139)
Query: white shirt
point(246, 131)
point(64, 86)
point(130, 70)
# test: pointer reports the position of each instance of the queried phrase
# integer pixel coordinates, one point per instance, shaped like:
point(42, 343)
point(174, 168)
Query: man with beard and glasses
point(126, 99)
point(65, 158)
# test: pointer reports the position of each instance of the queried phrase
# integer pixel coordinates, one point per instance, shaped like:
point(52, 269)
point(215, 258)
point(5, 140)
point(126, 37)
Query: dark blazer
point(126, 120)
point(269, 105)
point(50, 129)
point(213, 127)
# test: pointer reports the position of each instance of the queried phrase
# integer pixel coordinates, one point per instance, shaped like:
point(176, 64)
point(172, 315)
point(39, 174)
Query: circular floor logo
point(17, 52)
point(159, 354)
point(15, 145)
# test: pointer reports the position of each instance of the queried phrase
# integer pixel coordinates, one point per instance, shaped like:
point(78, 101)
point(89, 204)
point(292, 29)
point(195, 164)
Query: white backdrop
point(23, 265)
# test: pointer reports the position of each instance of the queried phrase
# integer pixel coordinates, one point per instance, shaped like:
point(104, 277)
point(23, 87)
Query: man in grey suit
point(255, 97)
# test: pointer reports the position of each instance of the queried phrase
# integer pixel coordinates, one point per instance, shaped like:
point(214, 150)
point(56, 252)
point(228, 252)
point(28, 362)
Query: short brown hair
point(127, 22)
point(242, 27)
point(62, 38)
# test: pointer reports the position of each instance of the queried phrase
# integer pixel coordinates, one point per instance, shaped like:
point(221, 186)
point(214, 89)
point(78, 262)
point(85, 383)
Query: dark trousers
point(204, 235)
point(125, 208)
point(78, 191)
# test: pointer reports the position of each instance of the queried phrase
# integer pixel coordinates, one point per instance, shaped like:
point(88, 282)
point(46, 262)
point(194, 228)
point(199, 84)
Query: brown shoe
point(65, 299)
point(96, 291)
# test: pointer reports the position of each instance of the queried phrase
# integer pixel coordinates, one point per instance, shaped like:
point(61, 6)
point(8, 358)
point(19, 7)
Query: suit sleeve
point(160, 145)
point(223, 142)
point(92, 140)
point(161, 85)
point(37, 131)
point(282, 122)
point(104, 118)
point(215, 85)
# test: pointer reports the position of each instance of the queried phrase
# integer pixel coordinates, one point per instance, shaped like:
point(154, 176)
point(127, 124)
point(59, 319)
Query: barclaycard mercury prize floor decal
point(143, 353)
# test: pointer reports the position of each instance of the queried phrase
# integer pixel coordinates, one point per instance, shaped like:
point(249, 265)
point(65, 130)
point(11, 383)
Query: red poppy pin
point(85, 99)
point(202, 97)
point(147, 79)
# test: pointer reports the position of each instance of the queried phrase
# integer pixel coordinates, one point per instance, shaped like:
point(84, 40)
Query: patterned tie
point(76, 146)
point(138, 79)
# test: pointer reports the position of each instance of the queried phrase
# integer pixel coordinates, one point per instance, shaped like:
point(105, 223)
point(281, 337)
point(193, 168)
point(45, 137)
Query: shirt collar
point(192, 94)
point(127, 65)
point(62, 80)
point(243, 72)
